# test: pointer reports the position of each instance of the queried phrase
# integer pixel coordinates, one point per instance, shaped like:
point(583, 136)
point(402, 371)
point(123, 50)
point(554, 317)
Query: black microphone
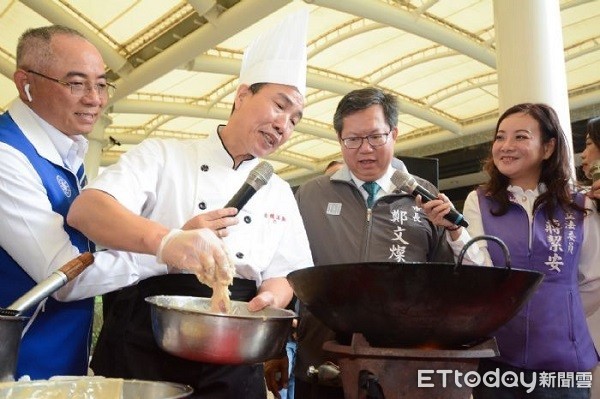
point(595, 171)
point(258, 177)
point(595, 175)
point(406, 182)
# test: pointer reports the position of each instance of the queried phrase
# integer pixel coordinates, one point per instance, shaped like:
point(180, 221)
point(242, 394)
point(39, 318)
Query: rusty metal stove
point(392, 373)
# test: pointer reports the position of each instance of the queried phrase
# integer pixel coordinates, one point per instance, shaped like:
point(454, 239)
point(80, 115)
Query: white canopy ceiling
point(176, 62)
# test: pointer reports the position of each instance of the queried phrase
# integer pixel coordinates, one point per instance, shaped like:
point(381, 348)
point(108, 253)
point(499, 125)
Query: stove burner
point(393, 373)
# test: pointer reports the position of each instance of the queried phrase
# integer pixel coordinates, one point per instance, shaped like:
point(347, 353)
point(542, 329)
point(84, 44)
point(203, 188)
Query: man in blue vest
point(62, 89)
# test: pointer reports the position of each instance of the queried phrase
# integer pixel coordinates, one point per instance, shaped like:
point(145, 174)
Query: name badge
point(334, 208)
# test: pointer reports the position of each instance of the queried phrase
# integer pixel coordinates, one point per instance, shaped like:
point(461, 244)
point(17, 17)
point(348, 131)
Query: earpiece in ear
point(27, 93)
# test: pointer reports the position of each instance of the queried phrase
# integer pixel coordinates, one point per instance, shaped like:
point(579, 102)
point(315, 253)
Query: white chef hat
point(278, 55)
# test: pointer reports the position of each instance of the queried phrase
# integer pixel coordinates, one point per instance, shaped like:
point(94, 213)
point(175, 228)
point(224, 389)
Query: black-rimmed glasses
point(82, 88)
point(374, 140)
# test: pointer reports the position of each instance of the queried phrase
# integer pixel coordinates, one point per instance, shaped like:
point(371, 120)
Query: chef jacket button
point(247, 219)
point(202, 205)
point(239, 255)
point(204, 168)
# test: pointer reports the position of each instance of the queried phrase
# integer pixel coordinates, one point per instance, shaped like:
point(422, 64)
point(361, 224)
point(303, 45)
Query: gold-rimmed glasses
point(374, 140)
point(82, 88)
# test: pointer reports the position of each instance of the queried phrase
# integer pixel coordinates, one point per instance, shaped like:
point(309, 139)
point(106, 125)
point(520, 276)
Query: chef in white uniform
point(166, 197)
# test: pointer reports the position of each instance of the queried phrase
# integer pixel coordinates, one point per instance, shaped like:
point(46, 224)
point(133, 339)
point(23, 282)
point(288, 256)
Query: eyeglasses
point(81, 88)
point(374, 140)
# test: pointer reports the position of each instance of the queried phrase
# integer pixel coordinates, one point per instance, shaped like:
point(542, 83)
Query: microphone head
point(403, 181)
point(595, 171)
point(260, 175)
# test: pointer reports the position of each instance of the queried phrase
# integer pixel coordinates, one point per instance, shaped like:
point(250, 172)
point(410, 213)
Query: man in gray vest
point(358, 215)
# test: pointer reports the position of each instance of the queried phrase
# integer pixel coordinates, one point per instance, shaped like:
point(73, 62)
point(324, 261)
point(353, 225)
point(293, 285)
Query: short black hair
point(360, 99)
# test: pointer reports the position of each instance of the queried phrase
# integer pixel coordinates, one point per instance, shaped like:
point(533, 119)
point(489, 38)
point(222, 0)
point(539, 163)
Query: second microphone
point(406, 182)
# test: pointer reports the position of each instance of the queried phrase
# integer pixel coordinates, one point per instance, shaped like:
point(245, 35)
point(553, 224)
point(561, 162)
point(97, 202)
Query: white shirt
point(32, 233)
point(171, 181)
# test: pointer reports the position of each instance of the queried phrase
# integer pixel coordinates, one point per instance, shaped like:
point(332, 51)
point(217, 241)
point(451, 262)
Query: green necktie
point(372, 188)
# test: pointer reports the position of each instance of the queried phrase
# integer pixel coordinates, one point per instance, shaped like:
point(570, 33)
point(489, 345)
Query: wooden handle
point(74, 267)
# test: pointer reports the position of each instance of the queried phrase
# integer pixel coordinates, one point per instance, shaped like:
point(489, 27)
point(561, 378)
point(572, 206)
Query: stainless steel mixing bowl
point(184, 326)
point(11, 328)
point(94, 387)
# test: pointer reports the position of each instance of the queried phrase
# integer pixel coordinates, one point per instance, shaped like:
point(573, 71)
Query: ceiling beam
point(7, 68)
point(169, 108)
point(207, 63)
point(387, 14)
point(237, 18)
point(202, 6)
point(320, 81)
point(198, 111)
point(58, 15)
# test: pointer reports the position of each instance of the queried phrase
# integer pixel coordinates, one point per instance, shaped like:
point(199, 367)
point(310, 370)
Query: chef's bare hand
point(276, 375)
point(261, 301)
point(199, 251)
point(436, 210)
point(218, 220)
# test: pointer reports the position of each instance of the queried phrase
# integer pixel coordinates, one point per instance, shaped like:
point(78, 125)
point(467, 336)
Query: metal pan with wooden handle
point(48, 286)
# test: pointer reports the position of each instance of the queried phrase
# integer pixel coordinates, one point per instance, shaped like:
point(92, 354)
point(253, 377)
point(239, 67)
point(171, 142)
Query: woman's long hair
point(556, 171)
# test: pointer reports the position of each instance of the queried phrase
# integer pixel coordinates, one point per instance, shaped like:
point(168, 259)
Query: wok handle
point(74, 267)
point(56, 280)
point(498, 241)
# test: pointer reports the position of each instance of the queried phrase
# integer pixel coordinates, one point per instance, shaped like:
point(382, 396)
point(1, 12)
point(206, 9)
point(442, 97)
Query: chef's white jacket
point(171, 181)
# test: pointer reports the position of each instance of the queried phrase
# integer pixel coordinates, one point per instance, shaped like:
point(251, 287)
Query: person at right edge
point(529, 202)
point(590, 165)
point(346, 224)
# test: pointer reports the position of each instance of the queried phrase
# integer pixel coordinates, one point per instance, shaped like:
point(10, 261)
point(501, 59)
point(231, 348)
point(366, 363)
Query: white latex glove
point(199, 251)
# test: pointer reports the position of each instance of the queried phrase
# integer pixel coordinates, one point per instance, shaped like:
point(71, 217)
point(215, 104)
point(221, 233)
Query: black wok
point(415, 304)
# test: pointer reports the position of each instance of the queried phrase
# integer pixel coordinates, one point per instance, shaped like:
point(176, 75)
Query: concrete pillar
point(530, 57)
point(96, 143)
